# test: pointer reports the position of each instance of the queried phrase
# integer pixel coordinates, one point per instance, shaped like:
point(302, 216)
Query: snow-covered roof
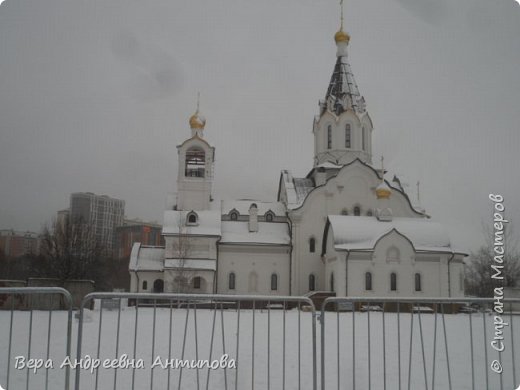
point(146, 258)
point(296, 189)
point(362, 233)
point(243, 205)
point(329, 165)
point(268, 233)
point(208, 223)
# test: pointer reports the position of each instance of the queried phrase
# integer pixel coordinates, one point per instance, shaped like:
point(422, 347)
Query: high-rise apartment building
point(102, 212)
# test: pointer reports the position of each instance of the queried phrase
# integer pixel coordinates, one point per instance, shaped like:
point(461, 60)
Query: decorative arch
point(233, 215)
point(269, 216)
point(192, 218)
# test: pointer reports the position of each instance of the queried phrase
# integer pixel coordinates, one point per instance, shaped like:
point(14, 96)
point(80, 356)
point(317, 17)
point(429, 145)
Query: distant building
point(134, 230)
point(102, 212)
point(15, 244)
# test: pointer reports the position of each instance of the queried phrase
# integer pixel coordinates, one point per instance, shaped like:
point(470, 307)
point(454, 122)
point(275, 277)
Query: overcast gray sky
point(96, 94)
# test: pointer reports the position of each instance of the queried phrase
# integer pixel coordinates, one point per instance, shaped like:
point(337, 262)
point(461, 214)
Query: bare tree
point(182, 246)
point(479, 271)
point(71, 250)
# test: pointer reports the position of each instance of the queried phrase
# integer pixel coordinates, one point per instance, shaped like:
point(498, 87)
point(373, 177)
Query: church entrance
point(158, 286)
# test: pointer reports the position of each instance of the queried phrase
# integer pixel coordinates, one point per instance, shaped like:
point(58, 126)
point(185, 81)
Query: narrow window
point(369, 213)
point(274, 282)
point(145, 285)
point(196, 282)
point(357, 211)
point(368, 281)
point(344, 212)
point(232, 281)
point(347, 135)
point(329, 137)
point(332, 281)
point(233, 216)
point(269, 217)
point(312, 245)
point(312, 282)
point(418, 286)
point(393, 281)
point(363, 140)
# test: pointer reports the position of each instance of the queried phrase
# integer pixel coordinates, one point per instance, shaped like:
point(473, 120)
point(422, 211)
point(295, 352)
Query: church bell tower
point(196, 161)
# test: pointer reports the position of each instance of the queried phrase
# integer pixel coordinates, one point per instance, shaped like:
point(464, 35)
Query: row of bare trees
point(69, 250)
point(479, 281)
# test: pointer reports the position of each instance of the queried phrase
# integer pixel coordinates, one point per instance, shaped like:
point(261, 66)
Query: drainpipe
point(449, 276)
point(346, 273)
point(290, 252)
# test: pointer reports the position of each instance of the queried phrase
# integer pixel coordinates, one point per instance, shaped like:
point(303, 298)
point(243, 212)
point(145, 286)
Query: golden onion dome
point(341, 36)
point(197, 121)
point(383, 191)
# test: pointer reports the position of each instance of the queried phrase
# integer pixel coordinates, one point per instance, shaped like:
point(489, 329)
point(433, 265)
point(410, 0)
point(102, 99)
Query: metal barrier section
point(386, 343)
point(179, 341)
point(35, 337)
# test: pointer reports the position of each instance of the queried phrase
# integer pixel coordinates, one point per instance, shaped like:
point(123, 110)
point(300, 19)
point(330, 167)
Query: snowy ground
point(292, 357)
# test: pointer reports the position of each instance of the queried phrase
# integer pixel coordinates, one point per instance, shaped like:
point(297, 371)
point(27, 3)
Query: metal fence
point(34, 333)
point(188, 342)
point(385, 343)
point(176, 341)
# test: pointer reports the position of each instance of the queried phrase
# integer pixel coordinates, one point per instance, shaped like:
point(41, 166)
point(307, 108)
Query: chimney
point(253, 218)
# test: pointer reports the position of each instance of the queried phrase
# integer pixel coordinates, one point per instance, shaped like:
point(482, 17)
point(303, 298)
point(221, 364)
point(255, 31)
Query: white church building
point(343, 228)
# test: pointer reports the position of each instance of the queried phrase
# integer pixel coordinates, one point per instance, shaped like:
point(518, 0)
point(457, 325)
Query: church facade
point(343, 228)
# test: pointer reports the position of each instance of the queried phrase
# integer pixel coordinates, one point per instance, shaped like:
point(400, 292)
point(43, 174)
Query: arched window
point(145, 285)
point(312, 245)
point(368, 281)
point(332, 281)
point(269, 217)
point(418, 286)
point(158, 286)
point(344, 212)
point(191, 219)
point(369, 213)
point(329, 137)
point(233, 216)
point(231, 281)
point(312, 282)
point(357, 211)
point(393, 281)
point(347, 136)
point(196, 282)
point(274, 282)
point(195, 163)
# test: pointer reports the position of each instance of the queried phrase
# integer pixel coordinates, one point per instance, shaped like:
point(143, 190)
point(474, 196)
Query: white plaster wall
point(199, 247)
point(354, 186)
point(264, 261)
point(150, 277)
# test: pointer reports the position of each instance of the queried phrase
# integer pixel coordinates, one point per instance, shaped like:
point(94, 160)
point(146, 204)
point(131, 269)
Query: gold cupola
point(197, 121)
point(341, 36)
point(383, 191)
